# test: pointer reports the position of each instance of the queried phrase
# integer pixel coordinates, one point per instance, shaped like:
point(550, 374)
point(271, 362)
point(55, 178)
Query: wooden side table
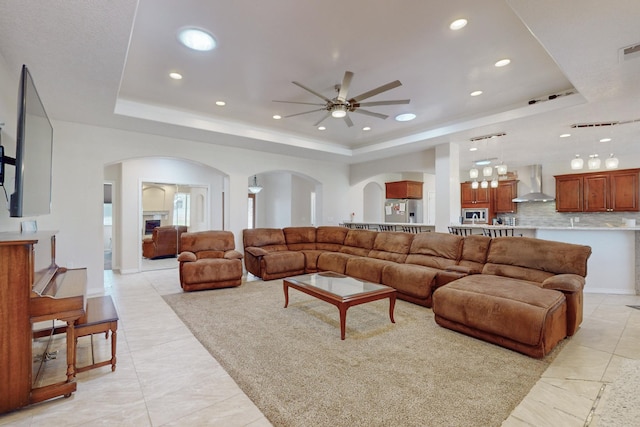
point(101, 317)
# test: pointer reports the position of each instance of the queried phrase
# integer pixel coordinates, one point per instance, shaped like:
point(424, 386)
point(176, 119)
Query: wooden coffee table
point(341, 291)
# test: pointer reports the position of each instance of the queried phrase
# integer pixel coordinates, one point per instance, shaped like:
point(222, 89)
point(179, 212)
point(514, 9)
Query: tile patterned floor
point(164, 377)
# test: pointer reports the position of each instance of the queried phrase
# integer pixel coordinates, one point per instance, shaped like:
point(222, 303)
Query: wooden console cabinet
point(503, 196)
point(474, 198)
point(610, 191)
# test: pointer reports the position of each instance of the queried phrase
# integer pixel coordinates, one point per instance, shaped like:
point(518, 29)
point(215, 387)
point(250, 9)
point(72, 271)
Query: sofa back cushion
point(358, 242)
point(391, 246)
point(330, 238)
point(437, 250)
point(535, 260)
point(474, 252)
point(299, 238)
point(212, 243)
point(269, 239)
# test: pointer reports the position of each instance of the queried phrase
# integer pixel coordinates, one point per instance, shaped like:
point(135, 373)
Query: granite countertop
point(607, 227)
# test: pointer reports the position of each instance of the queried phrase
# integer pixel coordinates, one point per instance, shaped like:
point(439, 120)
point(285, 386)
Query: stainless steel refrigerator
point(403, 211)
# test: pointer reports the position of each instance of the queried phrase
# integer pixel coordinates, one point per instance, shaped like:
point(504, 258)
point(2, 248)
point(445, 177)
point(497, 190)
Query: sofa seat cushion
point(369, 269)
point(413, 280)
point(334, 261)
point(514, 309)
point(311, 260)
point(211, 270)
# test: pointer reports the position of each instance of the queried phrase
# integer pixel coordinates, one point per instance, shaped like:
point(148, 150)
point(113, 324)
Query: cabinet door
point(623, 191)
point(467, 195)
point(503, 196)
point(569, 193)
point(596, 191)
point(483, 195)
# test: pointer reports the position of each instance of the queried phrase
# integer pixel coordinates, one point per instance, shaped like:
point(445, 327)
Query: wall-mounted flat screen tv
point(34, 150)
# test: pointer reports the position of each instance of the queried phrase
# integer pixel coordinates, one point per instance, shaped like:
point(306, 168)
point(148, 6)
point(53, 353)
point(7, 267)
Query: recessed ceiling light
point(458, 24)
point(175, 76)
point(405, 117)
point(476, 93)
point(565, 135)
point(473, 149)
point(277, 116)
point(605, 140)
point(322, 128)
point(366, 128)
point(221, 103)
point(196, 39)
point(503, 62)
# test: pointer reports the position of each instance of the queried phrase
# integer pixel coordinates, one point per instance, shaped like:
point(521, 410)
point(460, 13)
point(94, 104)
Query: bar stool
point(385, 227)
point(498, 232)
point(461, 231)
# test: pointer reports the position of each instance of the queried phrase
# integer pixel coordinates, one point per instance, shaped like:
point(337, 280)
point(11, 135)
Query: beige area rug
point(293, 365)
point(622, 407)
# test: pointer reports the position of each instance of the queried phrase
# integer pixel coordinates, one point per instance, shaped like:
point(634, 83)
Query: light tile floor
point(164, 376)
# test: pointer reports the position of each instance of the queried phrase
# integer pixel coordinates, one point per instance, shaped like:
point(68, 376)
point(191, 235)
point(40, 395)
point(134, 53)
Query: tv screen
point(150, 224)
point(34, 150)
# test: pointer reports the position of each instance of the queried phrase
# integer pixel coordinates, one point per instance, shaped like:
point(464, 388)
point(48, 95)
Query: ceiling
point(107, 63)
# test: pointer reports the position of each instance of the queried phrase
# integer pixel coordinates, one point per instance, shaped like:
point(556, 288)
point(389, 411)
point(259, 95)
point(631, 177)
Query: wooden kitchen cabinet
point(611, 191)
point(569, 193)
point(404, 190)
point(473, 198)
point(503, 196)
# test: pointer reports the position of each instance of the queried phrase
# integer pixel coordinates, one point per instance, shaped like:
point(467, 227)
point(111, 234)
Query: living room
point(125, 150)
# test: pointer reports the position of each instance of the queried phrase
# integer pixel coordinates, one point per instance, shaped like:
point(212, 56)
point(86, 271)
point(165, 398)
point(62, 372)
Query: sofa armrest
point(257, 252)
point(444, 277)
point(564, 283)
point(187, 256)
point(463, 269)
point(233, 254)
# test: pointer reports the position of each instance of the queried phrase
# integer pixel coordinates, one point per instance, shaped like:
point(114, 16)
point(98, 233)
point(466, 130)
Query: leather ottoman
point(512, 313)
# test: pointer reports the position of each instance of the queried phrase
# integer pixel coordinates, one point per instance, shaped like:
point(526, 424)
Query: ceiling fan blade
point(344, 87)
point(370, 113)
point(374, 103)
point(322, 119)
point(375, 91)
point(348, 121)
point(305, 112)
point(312, 91)
point(305, 103)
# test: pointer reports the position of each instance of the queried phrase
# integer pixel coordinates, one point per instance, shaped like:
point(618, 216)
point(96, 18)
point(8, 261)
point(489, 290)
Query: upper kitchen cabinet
point(404, 190)
point(471, 198)
point(503, 196)
point(611, 191)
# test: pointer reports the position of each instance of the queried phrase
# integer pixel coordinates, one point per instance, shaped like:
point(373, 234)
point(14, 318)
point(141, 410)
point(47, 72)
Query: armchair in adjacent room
point(164, 242)
point(209, 261)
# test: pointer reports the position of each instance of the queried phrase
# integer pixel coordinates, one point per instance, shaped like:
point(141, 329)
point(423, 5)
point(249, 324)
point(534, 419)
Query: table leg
point(285, 288)
point(114, 328)
point(392, 304)
point(343, 320)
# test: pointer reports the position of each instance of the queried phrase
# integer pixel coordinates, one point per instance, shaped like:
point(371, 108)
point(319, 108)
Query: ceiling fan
point(339, 106)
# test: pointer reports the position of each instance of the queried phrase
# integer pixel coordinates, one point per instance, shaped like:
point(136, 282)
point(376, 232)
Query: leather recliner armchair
point(209, 261)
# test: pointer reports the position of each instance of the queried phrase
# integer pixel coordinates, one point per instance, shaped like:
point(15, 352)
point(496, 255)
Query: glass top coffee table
point(341, 291)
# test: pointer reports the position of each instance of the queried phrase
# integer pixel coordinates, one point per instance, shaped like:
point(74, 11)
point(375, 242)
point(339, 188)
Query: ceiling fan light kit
point(341, 105)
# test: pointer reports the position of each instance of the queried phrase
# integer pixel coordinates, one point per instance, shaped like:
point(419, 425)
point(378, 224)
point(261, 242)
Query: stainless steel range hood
point(536, 194)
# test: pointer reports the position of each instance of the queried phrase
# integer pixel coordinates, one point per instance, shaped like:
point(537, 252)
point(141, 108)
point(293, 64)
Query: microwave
point(475, 216)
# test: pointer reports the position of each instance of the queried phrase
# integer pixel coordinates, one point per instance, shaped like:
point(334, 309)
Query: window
point(181, 206)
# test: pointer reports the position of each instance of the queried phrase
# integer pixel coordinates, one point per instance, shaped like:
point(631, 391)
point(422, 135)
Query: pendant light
point(501, 169)
point(473, 173)
point(255, 188)
point(484, 184)
point(474, 185)
point(594, 162)
point(494, 183)
point(611, 162)
point(577, 163)
point(487, 171)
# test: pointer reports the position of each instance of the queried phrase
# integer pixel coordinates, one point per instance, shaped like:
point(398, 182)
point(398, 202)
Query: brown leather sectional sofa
point(522, 293)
